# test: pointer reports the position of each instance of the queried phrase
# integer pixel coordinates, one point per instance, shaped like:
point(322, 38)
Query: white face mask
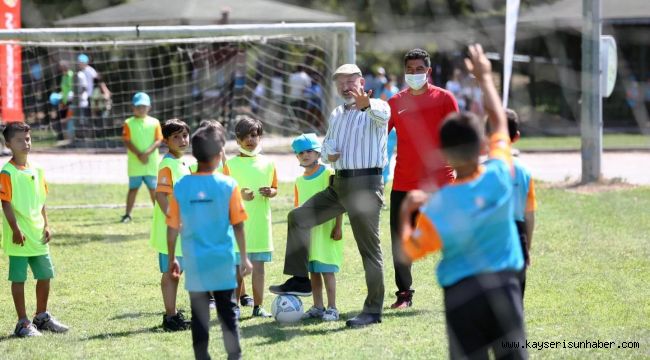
point(250, 153)
point(415, 81)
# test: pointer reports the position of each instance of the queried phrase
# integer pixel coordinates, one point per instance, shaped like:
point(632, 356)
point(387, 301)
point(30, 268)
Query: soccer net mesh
point(282, 79)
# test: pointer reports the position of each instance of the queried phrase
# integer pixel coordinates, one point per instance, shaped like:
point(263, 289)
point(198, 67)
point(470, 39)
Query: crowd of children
point(212, 222)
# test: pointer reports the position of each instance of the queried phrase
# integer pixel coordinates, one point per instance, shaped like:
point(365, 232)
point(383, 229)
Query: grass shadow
point(275, 332)
point(405, 313)
point(8, 337)
point(126, 333)
point(134, 315)
point(81, 239)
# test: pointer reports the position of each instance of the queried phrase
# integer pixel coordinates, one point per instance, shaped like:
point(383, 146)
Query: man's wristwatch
point(365, 108)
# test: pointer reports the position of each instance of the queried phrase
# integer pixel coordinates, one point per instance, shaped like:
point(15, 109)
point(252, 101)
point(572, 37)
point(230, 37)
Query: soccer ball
point(287, 309)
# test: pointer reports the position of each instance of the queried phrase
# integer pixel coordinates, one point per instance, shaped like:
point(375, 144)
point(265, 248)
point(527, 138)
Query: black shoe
point(294, 286)
point(180, 317)
point(175, 323)
point(363, 319)
point(246, 300)
point(126, 219)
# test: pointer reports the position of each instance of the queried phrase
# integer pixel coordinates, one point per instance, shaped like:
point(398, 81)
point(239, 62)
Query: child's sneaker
point(331, 314)
point(126, 219)
point(246, 300)
point(259, 311)
point(45, 321)
point(176, 322)
point(26, 329)
point(313, 313)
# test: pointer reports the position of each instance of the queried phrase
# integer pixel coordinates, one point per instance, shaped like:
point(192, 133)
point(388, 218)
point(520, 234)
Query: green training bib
point(253, 173)
point(143, 134)
point(322, 247)
point(28, 199)
point(158, 238)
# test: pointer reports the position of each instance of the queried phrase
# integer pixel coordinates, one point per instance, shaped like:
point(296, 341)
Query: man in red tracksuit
point(416, 113)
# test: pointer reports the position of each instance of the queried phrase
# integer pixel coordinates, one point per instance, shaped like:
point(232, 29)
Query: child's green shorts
point(41, 266)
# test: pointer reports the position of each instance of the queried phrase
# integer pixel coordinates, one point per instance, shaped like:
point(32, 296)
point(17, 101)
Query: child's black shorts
point(485, 311)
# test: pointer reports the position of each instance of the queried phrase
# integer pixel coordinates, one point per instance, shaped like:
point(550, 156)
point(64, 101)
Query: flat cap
point(346, 69)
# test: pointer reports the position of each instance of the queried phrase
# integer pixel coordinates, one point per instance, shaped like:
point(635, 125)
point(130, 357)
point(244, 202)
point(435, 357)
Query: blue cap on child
point(83, 58)
point(141, 99)
point(55, 98)
point(305, 142)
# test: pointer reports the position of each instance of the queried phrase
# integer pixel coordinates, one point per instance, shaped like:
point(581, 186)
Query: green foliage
point(588, 281)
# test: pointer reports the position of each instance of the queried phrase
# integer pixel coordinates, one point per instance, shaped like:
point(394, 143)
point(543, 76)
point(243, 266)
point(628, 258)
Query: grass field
point(589, 281)
point(566, 143)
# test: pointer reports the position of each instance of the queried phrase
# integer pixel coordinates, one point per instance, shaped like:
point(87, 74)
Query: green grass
point(589, 281)
point(610, 142)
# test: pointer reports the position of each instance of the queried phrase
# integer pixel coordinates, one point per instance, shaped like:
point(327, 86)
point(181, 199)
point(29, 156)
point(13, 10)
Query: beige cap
point(346, 69)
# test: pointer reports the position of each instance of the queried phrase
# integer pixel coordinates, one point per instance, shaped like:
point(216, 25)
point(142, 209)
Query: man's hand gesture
point(361, 98)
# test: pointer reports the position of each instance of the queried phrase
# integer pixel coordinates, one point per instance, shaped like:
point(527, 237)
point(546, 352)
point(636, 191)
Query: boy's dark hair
point(14, 128)
point(247, 125)
point(211, 122)
point(416, 54)
point(513, 123)
point(172, 126)
point(461, 135)
point(207, 141)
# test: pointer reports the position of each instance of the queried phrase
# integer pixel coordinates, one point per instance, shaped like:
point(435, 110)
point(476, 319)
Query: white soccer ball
point(287, 309)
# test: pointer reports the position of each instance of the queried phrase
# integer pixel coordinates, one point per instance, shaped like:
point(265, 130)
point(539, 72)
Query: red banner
point(10, 65)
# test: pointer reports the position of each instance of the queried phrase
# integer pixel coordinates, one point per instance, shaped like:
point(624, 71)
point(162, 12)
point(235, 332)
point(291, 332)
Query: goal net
point(277, 73)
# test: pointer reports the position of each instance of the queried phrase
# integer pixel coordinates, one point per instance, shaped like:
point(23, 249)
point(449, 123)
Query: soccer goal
point(279, 73)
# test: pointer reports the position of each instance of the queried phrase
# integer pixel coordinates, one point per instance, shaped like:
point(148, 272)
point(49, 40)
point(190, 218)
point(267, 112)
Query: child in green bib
point(142, 136)
point(26, 233)
point(258, 182)
point(172, 167)
point(325, 251)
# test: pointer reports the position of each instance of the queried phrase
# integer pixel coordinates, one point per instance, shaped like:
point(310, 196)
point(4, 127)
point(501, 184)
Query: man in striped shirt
point(355, 145)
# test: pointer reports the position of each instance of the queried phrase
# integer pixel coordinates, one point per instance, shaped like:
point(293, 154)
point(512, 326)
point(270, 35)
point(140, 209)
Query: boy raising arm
point(471, 223)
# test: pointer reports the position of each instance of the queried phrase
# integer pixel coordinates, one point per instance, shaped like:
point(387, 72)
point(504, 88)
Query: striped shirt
point(360, 136)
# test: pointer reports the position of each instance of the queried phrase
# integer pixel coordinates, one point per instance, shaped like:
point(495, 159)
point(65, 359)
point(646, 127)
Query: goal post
point(191, 72)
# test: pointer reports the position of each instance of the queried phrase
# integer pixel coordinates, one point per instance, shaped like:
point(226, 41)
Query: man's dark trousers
point(362, 198)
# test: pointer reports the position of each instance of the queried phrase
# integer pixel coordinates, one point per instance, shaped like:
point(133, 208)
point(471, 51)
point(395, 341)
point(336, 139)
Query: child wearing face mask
point(256, 176)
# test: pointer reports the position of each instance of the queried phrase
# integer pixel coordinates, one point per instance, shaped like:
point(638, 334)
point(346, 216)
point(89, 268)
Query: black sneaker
point(294, 286)
point(126, 219)
point(180, 317)
point(246, 300)
point(175, 323)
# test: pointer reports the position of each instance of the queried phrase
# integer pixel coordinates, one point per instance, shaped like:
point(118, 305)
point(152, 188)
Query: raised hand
point(361, 98)
point(477, 63)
